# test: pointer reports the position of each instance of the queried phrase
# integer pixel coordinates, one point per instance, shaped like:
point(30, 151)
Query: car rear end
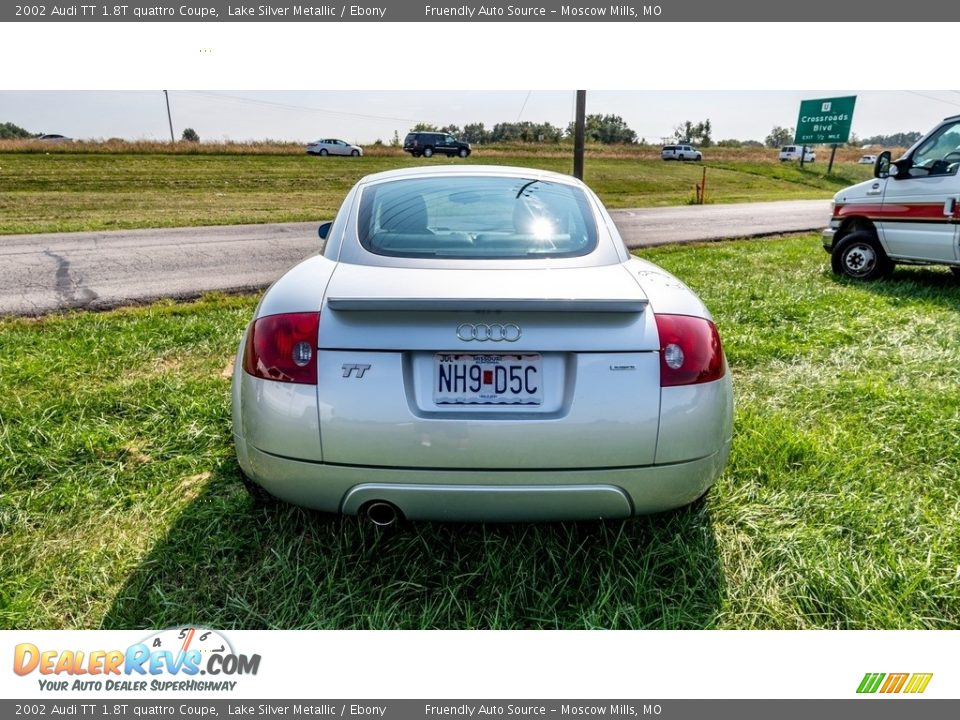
point(471, 384)
point(410, 143)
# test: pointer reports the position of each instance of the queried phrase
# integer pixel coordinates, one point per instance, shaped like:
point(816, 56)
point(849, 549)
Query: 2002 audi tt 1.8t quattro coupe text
point(477, 344)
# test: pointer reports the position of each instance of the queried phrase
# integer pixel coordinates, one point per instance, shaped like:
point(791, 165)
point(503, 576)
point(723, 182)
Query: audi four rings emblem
point(493, 333)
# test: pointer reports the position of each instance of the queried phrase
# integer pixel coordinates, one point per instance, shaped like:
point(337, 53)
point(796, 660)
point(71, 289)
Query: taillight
point(690, 350)
point(283, 348)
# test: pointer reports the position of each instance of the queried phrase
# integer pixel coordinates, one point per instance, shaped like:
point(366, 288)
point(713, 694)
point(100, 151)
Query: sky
point(365, 116)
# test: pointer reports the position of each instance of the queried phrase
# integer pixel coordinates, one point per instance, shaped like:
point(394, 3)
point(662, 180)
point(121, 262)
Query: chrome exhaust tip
point(382, 514)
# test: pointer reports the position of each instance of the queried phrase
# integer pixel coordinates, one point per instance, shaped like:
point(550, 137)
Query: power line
point(931, 97)
point(524, 105)
point(295, 108)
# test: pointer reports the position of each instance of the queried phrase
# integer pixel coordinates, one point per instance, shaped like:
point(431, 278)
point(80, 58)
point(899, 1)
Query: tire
point(416, 154)
point(860, 256)
point(956, 272)
point(355, 153)
point(323, 152)
point(428, 152)
point(463, 152)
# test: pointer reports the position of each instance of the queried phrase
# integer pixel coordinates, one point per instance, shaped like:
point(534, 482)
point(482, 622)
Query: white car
point(476, 343)
point(680, 152)
point(332, 146)
point(792, 152)
point(867, 160)
point(909, 213)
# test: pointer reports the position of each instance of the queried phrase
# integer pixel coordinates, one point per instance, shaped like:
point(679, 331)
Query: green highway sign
point(825, 121)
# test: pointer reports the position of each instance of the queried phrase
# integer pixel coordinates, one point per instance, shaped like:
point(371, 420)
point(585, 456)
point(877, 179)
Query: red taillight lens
point(283, 348)
point(690, 350)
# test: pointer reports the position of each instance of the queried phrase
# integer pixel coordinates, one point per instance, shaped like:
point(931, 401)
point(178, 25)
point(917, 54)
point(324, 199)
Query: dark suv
point(428, 143)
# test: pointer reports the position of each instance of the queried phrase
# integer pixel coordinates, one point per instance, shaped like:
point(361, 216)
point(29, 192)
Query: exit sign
point(825, 121)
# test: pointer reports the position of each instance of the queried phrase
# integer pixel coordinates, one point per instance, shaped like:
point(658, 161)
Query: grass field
point(63, 190)
point(120, 504)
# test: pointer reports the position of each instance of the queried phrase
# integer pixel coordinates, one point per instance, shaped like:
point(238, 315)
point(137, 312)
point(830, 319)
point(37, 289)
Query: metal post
point(579, 134)
point(803, 153)
point(833, 153)
point(169, 117)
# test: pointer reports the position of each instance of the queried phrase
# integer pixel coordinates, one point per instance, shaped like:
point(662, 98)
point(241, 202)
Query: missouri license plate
point(488, 379)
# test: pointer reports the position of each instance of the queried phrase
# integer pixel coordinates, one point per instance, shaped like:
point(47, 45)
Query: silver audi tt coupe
point(476, 343)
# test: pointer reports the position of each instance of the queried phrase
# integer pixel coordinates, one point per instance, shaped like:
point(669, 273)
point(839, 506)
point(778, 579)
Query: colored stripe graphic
point(870, 682)
point(895, 682)
point(918, 683)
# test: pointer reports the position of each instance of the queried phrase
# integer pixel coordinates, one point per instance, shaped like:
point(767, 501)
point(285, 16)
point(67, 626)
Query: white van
point(792, 152)
point(909, 213)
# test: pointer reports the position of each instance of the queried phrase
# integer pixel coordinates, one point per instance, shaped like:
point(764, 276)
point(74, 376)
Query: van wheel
point(955, 271)
point(463, 152)
point(860, 256)
point(428, 152)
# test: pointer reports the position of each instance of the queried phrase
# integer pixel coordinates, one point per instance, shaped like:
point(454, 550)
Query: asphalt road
point(45, 273)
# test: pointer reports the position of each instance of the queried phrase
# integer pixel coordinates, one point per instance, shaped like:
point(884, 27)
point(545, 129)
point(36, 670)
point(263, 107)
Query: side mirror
point(882, 167)
point(324, 229)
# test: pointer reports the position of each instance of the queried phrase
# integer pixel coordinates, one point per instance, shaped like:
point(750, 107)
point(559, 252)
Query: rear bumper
point(485, 495)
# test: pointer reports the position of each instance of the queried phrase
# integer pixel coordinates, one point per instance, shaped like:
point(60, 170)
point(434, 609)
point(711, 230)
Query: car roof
point(468, 171)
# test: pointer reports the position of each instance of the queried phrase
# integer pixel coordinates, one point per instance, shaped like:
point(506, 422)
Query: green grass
point(120, 504)
point(67, 191)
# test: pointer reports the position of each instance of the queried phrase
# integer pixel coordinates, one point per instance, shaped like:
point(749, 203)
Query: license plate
point(487, 379)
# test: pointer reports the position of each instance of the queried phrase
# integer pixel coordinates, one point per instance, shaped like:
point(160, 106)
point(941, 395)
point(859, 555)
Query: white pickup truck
point(908, 214)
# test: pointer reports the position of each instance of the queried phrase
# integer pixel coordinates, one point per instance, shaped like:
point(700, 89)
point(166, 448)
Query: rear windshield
point(476, 217)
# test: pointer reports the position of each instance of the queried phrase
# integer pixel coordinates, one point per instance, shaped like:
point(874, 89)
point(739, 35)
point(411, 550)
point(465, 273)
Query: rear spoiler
point(481, 304)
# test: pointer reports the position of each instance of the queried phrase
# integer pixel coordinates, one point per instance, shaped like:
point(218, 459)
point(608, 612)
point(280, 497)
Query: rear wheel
point(463, 152)
point(428, 152)
point(323, 152)
point(860, 256)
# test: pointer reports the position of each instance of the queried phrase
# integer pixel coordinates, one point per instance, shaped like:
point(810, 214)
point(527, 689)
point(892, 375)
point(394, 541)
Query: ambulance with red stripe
point(908, 214)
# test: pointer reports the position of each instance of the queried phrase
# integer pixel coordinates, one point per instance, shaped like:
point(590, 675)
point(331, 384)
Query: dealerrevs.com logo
point(169, 660)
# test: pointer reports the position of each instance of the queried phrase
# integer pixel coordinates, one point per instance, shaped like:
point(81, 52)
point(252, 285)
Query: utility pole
point(579, 133)
point(169, 118)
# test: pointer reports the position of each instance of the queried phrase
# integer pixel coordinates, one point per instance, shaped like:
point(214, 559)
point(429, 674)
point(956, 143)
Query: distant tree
point(779, 136)
point(752, 143)
point(606, 129)
point(9, 131)
point(854, 140)
point(695, 134)
point(525, 131)
point(378, 143)
point(730, 143)
point(395, 141)
point(475, 133)
point(451, 130)
point(190, 135)
point(424, 127)
point(900, 139)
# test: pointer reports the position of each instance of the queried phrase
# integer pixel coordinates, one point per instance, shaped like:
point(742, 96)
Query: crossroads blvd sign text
point(825, 121)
